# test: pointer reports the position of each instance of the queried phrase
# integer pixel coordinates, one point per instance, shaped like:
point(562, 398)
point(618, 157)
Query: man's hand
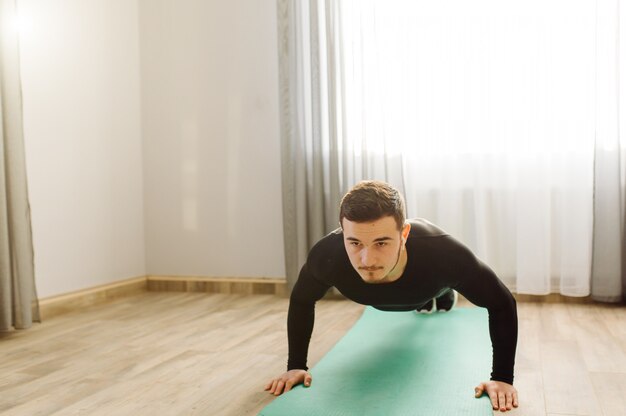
point(503, 395)
point(287, 381)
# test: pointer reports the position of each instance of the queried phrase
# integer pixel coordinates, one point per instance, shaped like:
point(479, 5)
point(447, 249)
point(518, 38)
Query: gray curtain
point(310, 192)
point(319, 163)
point(608, 278)
point(18, 298)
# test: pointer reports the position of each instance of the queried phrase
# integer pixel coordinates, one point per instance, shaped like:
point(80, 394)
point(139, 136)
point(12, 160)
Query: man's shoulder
point(327, 254)
point(424, 231)
point(328, 244)
point(421, 227)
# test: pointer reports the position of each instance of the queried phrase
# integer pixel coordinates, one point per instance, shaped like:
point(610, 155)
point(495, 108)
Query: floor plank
point(611, 391)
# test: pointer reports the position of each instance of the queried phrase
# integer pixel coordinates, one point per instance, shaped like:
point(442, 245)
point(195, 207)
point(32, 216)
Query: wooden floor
point(211, 354)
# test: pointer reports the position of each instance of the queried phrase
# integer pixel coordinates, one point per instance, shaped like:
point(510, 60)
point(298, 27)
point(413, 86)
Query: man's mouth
point(370, 269)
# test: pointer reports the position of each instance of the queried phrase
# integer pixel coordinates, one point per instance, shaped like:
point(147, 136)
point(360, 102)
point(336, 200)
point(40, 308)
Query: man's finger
point(279, 388)
point(274, 382)
point(307, 380)
point(502, 401)
point(515, 403)
point(494, 400)
point(268, 385)
point(509, 401)
point(288, 386)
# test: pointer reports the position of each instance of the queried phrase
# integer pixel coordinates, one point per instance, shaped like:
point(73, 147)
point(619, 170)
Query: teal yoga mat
point(399, 364)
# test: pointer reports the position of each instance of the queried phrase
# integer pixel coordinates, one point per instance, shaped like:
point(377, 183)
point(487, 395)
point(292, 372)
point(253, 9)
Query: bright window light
point(458, 77)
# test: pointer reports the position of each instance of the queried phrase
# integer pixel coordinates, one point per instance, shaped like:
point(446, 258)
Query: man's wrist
point(297, 366)
point(508, 380)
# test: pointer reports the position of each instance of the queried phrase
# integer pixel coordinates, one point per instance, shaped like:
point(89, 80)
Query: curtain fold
point(18, 297)
point(304, 126)
point(320, 162)
point(608, 278)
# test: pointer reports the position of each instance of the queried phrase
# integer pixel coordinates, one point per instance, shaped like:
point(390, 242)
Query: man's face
point(374, 248)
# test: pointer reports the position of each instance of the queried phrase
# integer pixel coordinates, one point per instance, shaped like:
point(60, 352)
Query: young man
point(378, 258)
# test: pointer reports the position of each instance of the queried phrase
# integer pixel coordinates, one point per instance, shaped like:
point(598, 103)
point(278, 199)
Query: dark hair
point(371, 200)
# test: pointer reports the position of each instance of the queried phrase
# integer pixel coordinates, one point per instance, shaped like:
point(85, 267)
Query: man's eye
point(355, 244)
point(381, 244)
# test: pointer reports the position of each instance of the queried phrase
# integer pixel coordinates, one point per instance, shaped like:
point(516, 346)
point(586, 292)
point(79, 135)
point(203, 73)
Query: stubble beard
point(370, 273)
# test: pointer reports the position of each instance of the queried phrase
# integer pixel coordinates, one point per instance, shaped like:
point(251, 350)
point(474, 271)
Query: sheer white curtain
point(497, 120)
point(491, 107)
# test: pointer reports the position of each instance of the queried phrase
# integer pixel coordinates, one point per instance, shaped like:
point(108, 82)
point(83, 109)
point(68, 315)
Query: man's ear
point(405, 231)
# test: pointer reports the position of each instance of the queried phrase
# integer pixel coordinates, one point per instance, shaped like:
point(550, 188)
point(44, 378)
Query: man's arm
point(503, 332)
point(480, 285)
point(301, 317)
point(486, 290)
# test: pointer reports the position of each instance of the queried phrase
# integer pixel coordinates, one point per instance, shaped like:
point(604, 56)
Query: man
point(378, 258)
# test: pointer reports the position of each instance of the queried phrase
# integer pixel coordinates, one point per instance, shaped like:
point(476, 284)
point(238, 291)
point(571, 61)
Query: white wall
point(80, 76)
point(185, 144)
point(211, 138)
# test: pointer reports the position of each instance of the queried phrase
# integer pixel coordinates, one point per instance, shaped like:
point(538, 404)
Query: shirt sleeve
point(301, 317)
point(480, 285)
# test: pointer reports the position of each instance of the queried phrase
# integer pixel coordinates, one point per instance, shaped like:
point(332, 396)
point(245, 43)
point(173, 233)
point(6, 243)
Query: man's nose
point(367, 258)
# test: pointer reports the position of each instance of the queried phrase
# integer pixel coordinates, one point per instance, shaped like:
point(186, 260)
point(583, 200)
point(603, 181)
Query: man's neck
point(398, 269)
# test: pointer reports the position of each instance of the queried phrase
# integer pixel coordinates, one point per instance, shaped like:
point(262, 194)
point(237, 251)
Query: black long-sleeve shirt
point(435, 263)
